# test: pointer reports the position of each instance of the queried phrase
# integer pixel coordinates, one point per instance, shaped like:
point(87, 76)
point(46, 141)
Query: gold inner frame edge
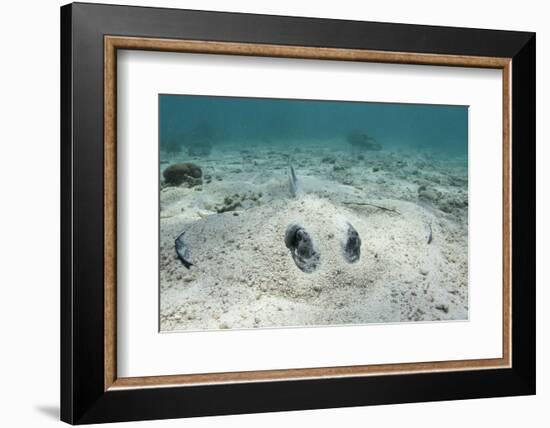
point(113, 43)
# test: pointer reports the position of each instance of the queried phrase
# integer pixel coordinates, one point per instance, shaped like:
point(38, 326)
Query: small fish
point(183, 251)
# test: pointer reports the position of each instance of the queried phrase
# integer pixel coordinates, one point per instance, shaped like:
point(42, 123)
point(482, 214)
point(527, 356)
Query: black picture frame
point(83, 397)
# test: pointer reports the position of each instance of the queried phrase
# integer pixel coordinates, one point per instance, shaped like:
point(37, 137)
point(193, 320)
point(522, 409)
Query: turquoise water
point(188, 121)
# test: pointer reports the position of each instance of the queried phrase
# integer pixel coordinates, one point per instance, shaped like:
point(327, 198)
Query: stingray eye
point(351, 244)
point(302, 249)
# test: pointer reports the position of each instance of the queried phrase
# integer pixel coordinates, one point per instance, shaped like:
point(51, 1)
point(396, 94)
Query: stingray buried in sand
point(346, 233)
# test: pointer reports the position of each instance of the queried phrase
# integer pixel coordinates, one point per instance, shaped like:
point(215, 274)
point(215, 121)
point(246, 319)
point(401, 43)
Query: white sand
point(244, 276)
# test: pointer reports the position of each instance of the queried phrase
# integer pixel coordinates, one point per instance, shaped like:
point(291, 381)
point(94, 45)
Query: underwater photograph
point(300, 213)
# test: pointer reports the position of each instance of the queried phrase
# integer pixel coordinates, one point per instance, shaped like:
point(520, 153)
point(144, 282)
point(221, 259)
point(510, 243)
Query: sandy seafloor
point(243, 274)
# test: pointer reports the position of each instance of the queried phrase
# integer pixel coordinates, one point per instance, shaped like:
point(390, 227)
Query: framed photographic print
point(265, 213)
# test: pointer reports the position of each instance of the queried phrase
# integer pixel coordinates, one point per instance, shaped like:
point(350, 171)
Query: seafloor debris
point(302, 248)
point(229, 205)
point(182, 251)
point(428, 194)
point(372, 205)
point(180, 173)
point(351, 244)
point(363, 141)
point(329, 159)
point(244, 201)
point(442, 307)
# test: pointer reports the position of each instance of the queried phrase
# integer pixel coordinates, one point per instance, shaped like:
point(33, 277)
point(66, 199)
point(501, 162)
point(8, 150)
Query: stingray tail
point(186, 263)
point(292, 180)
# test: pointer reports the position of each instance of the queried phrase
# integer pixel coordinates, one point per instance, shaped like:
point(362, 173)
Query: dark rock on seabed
point(183, 173)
